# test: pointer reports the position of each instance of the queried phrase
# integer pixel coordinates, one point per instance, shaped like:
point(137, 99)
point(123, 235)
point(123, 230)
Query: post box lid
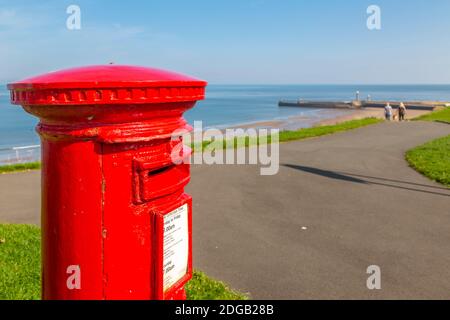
point(107, 84)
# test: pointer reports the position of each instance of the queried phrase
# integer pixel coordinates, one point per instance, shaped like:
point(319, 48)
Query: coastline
point(324, 117)
point(299, 122)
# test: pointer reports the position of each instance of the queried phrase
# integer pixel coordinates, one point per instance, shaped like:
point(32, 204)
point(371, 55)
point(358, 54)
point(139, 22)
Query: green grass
point(20, 167)
point(201, 287)
point(324, 130)
point(288, 135)
point(440, 115)
point(20, 262)
point(20, 276)
point(432, 159)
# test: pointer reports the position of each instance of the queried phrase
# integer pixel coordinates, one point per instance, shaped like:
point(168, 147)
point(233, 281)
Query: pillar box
point(116, 223)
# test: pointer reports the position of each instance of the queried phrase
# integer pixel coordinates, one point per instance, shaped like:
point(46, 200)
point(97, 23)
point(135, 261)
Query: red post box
point(116, 223)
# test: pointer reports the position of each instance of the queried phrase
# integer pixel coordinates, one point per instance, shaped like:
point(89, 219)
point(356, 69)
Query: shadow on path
point(398, 181)
point(350, 177)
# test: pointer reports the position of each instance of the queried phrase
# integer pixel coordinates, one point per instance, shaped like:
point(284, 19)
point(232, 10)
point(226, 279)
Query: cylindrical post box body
point(116, 223)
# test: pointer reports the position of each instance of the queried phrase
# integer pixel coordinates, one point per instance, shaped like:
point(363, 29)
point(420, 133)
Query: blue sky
point(246, 41)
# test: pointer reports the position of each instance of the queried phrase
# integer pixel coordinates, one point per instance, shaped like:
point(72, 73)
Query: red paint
point(108, 178)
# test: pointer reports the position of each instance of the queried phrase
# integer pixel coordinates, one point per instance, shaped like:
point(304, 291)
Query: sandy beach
point(336, 116)
point(367, 113)
point(322, 118)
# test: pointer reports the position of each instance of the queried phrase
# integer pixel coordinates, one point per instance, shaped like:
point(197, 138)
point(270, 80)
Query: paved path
point(20, 197)
point(353, 191)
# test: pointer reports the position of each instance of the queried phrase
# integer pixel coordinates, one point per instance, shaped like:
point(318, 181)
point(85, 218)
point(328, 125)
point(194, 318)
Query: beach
point(369, 113)
point(328, 117)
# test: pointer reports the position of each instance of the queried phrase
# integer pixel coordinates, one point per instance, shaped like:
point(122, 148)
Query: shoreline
point(297, 122)
point(323, 117)
point(300, 122)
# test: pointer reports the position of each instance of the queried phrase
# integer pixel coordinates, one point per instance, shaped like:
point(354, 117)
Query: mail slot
point(156, 179)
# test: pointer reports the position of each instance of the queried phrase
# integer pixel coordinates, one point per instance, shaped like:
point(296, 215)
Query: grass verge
point(432, 159)
point(201, 287)
point(324, 130)
point(439, 115)
point(20, 167)
point(287, 135)
point(20, 275)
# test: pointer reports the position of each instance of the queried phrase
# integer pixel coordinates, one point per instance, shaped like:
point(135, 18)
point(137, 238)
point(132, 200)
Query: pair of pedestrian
point(389, 114)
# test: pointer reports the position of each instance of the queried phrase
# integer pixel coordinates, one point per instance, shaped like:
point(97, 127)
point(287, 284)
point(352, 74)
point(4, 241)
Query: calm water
point(237, 104)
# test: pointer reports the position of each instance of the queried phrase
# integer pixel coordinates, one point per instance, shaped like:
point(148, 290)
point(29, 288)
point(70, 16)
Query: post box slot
point(159, 171)
point(160, 181)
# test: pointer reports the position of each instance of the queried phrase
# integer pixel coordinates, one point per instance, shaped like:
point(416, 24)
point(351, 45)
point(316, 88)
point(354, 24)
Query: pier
point(412, 105)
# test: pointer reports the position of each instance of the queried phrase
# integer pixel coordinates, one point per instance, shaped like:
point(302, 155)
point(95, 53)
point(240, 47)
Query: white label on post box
point(176, 246)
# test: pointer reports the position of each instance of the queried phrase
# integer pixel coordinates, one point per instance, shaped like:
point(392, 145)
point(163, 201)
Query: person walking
point(388, 112)
point(401, 112)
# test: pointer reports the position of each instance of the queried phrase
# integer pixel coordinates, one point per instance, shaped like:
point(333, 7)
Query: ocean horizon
point(232, 105)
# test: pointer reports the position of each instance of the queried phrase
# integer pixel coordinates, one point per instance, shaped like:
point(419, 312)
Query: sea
point(224, 106)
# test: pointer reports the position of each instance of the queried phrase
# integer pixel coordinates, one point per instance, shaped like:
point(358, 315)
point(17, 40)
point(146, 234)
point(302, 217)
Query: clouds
point(259, 41)
point(8, 18)
point(22, 18)
point(13, 20)
point(34, 39)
